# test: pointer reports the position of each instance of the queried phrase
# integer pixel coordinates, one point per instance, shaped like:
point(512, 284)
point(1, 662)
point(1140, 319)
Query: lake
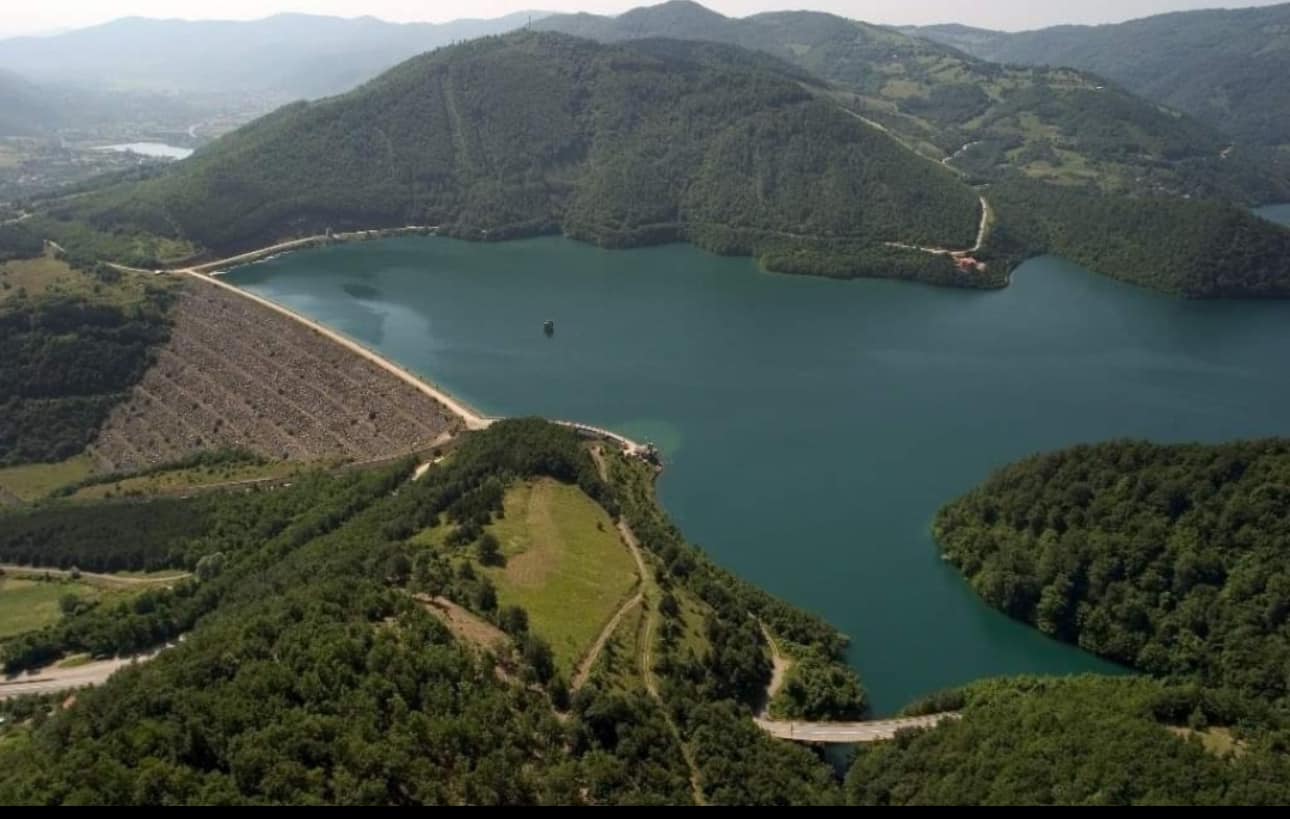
point(812, 428)
point(156, 150)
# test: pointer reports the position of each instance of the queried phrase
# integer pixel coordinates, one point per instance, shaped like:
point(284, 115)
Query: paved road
point(105, 579)
point(50, 680)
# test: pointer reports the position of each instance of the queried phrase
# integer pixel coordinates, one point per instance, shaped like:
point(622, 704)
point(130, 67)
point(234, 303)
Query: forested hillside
point(994, 119)
point(1194, 249)
point(65, 361)
point(309, 672)
point(539, 132)
point(1171, 559)
point(1227, 67)
point(1083, 741)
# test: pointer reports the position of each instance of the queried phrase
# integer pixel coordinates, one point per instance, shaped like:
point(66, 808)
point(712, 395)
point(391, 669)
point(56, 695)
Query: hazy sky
point(21, 17)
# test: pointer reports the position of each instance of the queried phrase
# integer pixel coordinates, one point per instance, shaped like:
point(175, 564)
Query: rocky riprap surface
point(235, 374)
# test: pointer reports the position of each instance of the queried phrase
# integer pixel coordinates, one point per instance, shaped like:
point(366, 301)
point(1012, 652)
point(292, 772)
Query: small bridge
point(850, 733)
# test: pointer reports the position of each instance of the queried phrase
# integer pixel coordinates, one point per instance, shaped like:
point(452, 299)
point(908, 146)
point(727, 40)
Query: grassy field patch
point(27, 605)
point(50, 276)
point(34, 481)
point(565, 565)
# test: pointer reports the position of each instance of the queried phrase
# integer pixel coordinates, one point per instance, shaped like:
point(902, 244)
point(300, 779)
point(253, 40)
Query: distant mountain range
point(1226, 68)
point(24, 109)
point(288, 56)
point(1229, 68)
point(29, 109)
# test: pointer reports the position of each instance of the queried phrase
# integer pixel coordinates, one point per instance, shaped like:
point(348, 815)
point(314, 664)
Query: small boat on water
point(548, 327)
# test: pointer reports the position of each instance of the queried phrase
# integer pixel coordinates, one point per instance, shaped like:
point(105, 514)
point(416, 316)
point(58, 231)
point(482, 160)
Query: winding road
point(982, 231)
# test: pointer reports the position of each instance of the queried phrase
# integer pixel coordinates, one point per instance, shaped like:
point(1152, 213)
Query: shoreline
point(222, 266)
point(304, 243)
point(472, 419)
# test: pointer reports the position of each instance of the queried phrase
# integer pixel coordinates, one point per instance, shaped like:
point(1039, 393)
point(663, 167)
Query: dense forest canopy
point(64, 363)
point(539, 132)
point(1082, 741)
point(1170, 559)
point(1195, 249)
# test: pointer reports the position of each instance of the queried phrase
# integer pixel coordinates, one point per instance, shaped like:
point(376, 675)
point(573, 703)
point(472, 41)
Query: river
point(813, 427)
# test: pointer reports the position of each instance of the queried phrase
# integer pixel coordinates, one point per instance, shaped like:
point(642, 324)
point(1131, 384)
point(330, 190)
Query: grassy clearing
point(27, 605)
point(34, 481)
point(565, 565)
point(50, 276)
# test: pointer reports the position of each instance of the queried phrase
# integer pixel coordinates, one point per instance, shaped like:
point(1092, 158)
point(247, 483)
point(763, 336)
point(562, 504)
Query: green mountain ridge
point(1169, 559)
point(537, 132)
point(1227, 67)
point(1060, 125)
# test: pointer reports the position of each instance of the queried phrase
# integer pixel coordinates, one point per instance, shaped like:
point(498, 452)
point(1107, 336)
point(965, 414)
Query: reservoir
point(155, 150)
point(811, 428)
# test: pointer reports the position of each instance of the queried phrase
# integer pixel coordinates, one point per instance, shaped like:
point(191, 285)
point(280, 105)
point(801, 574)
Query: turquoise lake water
point(813, 427)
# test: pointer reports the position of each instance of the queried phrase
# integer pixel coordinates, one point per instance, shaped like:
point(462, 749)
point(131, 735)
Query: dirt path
point(466, 626)
point(649, 597)
point(947, 160)
point(779, 667)
point(588, 662)
point(94, 577)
